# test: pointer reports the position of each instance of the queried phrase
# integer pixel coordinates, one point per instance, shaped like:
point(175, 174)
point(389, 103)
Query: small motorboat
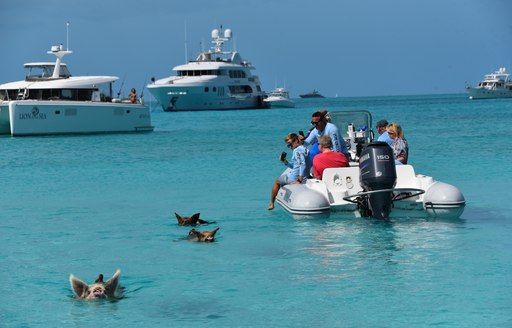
point(373, 186)
point(280, 97)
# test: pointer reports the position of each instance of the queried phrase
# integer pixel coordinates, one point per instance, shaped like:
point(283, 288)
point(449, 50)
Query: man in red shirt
point(327, 158)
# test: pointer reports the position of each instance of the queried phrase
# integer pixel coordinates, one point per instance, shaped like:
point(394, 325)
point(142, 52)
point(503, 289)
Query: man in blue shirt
point(381, 128)
point(322, 126)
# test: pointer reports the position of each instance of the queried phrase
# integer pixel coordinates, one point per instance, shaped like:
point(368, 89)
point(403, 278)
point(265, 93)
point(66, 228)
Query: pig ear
point(79, 287)
point(195, 217)
point(178, 217)
point(111, 284)
point(99, 279)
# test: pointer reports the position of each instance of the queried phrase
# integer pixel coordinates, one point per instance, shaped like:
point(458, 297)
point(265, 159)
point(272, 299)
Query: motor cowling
point(377, 172)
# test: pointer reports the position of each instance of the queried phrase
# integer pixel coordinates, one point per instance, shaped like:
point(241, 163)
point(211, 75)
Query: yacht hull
point(34, 117)
point(483, 93)
point(280, 103)
point(5, 125)
point(195, 98)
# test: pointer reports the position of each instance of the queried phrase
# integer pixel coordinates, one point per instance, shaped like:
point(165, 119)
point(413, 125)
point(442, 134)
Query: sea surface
point(91, 204)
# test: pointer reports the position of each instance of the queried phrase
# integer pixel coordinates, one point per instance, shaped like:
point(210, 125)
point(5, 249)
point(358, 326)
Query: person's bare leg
point(275, 189)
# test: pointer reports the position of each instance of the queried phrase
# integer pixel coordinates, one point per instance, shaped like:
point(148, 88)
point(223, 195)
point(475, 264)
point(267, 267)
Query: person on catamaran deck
point(133, 96)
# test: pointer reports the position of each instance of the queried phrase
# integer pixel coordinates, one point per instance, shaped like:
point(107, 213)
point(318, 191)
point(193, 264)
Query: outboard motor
point(377, 172)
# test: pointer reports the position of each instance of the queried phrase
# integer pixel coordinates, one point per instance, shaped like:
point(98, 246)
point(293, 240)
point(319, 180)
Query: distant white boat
point(216, 80)
point(280, 97)
point(51, 101)
point(495, 85)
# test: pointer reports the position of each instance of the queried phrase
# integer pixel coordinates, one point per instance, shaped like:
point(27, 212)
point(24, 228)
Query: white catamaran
point(52, 101)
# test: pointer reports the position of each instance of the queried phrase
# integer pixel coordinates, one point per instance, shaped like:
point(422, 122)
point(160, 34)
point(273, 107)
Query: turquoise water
point(91, 204)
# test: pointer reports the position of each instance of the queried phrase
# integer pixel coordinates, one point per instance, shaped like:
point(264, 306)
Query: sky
point(348, 48)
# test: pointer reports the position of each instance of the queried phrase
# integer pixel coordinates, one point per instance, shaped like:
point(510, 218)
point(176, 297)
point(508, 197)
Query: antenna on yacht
point(219, 39)
point(121, 87)
point(186, 50)
point(59, 52)
point(67, 35)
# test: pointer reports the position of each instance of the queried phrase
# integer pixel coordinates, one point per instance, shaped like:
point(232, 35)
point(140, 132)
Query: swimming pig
point(190, 221)
point(98, 289)
point(202, 236)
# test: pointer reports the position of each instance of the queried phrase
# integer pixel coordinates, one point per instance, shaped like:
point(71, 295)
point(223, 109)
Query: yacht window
point(205, 89)
point(84, 94)
point(64, 72)
point(12, 94)
point(70, 112)
point(234, 89)
point(68, 94)
point(214, 89)
point(236, 74)
point(46, 72)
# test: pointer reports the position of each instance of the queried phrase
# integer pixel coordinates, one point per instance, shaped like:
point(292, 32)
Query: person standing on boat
point(322, 126)
point(400, 146)
point(298, 170)
point(327, 158)
point(313, 149)
point(381, 128)
point(133, 96)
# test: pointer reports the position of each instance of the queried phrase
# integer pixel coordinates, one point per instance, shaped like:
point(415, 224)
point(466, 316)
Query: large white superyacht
point(216, 80)
point(52, 101)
